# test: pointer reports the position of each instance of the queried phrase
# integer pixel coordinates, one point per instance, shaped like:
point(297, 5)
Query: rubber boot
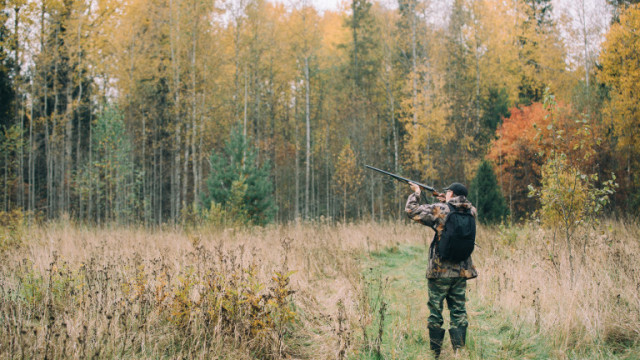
point(436, 336)
point(458, 337)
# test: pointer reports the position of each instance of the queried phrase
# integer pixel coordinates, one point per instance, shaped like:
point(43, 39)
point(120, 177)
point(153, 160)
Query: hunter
point(447, 279)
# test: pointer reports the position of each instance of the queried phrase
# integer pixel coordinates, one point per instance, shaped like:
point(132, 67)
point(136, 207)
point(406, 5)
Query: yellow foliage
point(569, 197)
point(495, 43)
point(334, 34)
point(619, 59)
point(542, 53)
point(426, 116)
point(233, 214)
point(564, 193)
point(348, 175)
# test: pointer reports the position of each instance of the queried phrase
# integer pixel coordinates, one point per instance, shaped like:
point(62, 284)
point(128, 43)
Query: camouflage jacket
point(434, 216)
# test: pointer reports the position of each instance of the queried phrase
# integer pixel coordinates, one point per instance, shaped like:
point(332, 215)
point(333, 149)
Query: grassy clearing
point(524, 304)
point(308, 291)
point(401, 270)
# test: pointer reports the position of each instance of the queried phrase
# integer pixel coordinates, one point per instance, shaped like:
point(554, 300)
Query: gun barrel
point(400, 178)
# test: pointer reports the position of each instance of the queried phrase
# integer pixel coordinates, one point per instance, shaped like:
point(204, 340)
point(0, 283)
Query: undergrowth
point(134, 307)
point(309, 291)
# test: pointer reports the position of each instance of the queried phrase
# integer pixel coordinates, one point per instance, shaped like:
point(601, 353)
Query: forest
point(186, 178)
point(174, 111)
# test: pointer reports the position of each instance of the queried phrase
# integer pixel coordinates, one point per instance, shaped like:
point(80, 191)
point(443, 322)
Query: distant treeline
point(124, 110)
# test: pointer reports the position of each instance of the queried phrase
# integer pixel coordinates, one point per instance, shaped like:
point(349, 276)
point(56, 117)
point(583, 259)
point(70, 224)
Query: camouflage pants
point(454, 291)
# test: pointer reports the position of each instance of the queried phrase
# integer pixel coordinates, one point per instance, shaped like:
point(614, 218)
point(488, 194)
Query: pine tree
point(236, 169)
point(6, 90)
point(486, 196)
point(112, 172)
point(536, 41)
point(494, 108)
point(8, 140)
point(618, 6)
point(363, 47)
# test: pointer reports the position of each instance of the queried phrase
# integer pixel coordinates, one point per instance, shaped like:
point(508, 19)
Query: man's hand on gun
point(416, 189)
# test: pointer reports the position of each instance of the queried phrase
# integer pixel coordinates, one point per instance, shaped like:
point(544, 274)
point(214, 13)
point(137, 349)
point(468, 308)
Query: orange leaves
point(517, 133)
point(536, 131)
point(527, 138)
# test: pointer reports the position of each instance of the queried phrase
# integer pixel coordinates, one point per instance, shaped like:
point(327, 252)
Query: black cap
point(457, 188)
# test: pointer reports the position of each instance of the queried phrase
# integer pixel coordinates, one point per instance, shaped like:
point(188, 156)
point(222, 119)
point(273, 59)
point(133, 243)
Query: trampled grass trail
point(397, 283)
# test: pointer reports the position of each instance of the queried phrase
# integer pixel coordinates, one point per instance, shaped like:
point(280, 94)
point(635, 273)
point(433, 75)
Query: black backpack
point(459, 235)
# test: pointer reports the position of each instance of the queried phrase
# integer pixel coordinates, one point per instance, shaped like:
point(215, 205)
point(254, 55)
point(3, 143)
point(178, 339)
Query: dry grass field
point(299, 291)
point(592, 312)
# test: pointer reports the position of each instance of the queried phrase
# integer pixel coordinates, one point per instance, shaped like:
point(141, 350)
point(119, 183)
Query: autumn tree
point(305, 40)
point(569, 196)
point(536, 23)
point(493, 69)
point(392, 77)
point(412, 58)
point(620, 71)
point(618, 6)
point(362, 91)
point(423, 109)
point(461, 93)
point(540, 51)
point(569, 199)
point(348, 176)
point(61, 98)
point(333, 120)
point(166, 63)
point(494, 41)
point(516, 154)
point(530, 135)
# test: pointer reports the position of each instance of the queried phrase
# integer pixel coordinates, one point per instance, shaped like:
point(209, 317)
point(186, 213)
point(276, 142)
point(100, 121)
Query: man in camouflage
point(447, 279)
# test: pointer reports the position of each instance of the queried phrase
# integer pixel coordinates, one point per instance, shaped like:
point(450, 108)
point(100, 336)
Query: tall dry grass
point(294, 291)
point(282, 291)
point(525, 271)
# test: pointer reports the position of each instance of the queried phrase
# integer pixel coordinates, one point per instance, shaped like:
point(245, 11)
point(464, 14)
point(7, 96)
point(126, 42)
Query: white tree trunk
point(308, 138)
point(194, 119)
point(296, 212)
point(175, 188)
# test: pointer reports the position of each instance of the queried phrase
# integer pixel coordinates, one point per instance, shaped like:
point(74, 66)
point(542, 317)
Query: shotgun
point(405, 180)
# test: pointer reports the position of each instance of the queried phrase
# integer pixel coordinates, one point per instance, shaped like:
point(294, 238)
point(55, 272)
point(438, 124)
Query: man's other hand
point(415, 188)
